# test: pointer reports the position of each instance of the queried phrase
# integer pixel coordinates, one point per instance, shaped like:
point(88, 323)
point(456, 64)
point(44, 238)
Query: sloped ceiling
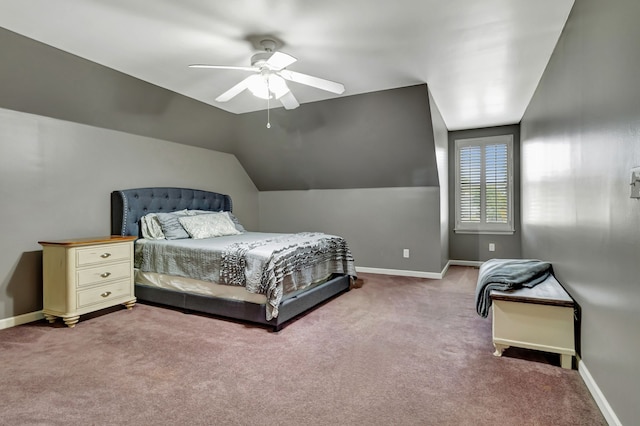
point(39, 79)
point(481, 59)
point(372, 140)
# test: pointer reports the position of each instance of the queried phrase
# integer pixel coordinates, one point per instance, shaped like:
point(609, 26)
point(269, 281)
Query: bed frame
point(129, 205)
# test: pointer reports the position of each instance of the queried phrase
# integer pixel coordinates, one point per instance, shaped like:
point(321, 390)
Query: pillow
point(236, 222)
point(208, 225)
point(197, 212)
point(150, 227)
point(231, 216)
point(171, 227)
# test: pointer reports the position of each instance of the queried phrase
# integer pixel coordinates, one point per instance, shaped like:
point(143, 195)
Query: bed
point(302, 270)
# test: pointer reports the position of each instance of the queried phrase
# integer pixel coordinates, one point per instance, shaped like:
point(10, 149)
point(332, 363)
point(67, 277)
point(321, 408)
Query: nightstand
point(85, 275)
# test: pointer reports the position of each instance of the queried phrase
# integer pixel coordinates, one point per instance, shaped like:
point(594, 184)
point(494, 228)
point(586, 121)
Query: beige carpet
point(397, 351)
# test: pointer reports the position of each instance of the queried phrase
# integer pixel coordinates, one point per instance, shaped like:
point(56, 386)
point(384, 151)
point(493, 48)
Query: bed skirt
point(229, 308)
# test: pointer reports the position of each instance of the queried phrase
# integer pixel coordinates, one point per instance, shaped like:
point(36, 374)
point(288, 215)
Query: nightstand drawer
point(104, 293)
point(99, 274)
point(102, 253)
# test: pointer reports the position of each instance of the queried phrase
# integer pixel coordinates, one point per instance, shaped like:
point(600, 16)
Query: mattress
point(211, 289)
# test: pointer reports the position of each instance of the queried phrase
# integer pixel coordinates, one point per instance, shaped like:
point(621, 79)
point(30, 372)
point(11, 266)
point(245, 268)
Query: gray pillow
point(171, 226)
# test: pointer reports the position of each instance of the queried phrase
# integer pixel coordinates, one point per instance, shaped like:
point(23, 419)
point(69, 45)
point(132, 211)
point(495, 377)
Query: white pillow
point(150, 227)
point(208, 225)
point(234, 219)
point(236, 222)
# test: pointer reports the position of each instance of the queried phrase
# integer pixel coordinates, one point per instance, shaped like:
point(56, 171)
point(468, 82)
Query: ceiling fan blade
point(289, 101)
point(319, 83)
point(280, 60)
point(224, 67)
point(234, 91)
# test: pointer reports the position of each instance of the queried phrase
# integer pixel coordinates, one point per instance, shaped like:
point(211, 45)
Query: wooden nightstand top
point(110, 239)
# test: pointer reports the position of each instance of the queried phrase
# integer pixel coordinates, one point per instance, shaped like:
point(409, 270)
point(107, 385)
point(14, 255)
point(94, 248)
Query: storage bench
point(540, 318)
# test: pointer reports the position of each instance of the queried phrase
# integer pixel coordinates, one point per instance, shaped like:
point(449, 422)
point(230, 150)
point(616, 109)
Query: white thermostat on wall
point(635, 182)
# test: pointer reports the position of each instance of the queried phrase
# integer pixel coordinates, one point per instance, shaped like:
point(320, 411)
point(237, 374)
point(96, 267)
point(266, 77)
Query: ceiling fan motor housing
point(260, 58)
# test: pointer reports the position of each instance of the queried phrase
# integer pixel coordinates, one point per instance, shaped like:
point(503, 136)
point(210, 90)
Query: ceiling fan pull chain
point(268, 109)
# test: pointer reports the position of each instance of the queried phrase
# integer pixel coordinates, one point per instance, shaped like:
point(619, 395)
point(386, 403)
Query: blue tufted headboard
point(129, 205)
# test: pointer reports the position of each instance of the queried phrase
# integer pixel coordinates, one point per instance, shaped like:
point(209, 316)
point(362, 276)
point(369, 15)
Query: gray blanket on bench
point(507, 274)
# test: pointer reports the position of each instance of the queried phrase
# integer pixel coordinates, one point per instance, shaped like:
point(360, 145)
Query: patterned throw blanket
point(257, 261)
point(260, 266)
point(507, 274)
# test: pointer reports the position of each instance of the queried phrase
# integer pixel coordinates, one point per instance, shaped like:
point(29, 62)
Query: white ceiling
point(481, 59)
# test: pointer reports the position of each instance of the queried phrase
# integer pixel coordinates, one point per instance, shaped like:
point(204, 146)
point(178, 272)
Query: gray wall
point(370, 161)
point(475, 247)
point(580, 138)
point(40, 79)
point(374, 140)
point(55, 182)
point(383, 141)
point(440, 139)
point(56, 176)
point(378, 223)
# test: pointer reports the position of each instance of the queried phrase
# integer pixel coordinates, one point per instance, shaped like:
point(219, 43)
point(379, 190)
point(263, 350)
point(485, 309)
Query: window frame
point(483, 227)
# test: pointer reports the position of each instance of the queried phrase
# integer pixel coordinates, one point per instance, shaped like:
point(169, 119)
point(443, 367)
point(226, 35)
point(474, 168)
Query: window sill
point(483, 231)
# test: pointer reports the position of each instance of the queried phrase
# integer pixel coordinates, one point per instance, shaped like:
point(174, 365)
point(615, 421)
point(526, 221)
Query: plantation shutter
point(470, 184)
point(484, 185)
point(496, 183)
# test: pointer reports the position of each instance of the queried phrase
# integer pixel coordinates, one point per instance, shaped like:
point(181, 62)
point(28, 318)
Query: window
point(484, 185)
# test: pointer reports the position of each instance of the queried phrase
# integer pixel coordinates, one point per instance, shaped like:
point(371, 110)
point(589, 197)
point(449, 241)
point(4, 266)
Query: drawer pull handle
point(105, 275)
point(106, 294)
point(105, 255)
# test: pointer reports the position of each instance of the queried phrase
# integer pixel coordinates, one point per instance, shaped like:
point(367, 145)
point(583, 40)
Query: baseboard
point(475, 263)
point(20, 319)
point(445, 269)
point(601, 401)
point(404, 273)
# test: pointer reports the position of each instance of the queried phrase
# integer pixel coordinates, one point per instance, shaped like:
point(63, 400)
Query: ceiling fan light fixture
point(267, 86)
point(277, 85)
point(258, 86)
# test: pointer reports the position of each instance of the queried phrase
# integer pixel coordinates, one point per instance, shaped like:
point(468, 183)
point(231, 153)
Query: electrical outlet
point(405, 253)
point(635, 182)
point(492, 247)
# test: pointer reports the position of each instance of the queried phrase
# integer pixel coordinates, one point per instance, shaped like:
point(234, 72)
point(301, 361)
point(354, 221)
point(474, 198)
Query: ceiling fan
point(269, 75)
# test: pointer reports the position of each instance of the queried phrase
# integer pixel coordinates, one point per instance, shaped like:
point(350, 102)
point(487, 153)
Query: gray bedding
point(507, 274)
point(257, 261)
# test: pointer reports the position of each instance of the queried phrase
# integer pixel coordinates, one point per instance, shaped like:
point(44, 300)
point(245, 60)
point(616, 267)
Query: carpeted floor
point(397, 351)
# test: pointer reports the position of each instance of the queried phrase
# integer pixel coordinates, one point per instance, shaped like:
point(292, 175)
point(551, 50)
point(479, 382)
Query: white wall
point(56, 178)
